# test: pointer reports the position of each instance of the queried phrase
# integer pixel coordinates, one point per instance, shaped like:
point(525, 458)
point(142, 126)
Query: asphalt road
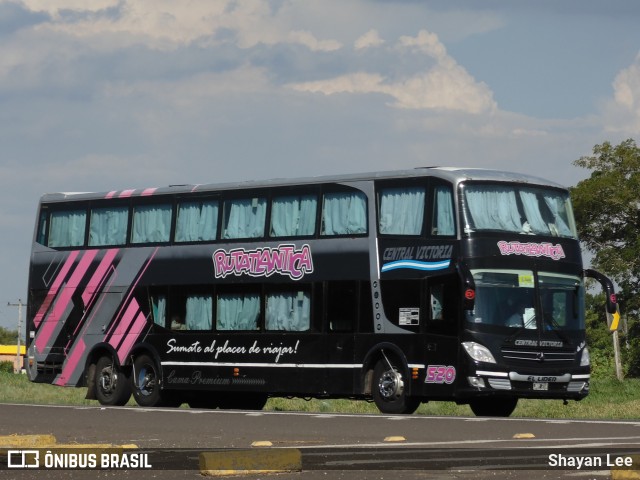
point(332, 446)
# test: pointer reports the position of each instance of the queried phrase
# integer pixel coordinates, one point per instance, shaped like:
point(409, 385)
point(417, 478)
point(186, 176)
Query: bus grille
point(546, 356)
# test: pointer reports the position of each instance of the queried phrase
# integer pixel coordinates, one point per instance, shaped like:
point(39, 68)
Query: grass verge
point(609, 399)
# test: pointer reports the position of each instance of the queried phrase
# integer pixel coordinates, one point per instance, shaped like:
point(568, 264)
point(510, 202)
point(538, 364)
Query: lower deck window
point(238, 311)
point(288, 311)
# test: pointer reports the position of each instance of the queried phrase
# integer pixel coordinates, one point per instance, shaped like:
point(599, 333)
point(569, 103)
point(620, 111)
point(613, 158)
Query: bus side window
point(443, 220)
point(341, 305)
point(159, 308)
point(238, 310)
point(288, 311)
point(442, 308)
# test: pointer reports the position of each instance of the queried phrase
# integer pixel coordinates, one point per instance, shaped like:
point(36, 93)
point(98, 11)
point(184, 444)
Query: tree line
point(607, 211)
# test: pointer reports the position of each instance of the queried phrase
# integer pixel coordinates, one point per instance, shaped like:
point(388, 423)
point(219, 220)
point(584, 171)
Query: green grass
point(609, 399)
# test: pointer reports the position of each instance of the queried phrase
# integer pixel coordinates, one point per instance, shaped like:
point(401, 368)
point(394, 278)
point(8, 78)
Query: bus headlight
point(585, 360)
point(478, 352)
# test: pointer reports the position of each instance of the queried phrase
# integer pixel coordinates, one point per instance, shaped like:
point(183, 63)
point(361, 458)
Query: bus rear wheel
point(493, 407)
point(146, 384)
point(112, 385)
point(389, 391)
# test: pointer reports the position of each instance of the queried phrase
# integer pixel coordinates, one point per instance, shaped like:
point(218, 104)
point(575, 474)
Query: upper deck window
point(108, 226)
point(518, 209)
point(197, 221)
point(402, 210)
point(293, 216)
point(344, 213)
point(67, 228)
point(244, 218)
point(151, 224)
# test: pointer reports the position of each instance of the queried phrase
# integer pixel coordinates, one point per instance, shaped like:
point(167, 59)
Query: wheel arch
point(97, 351)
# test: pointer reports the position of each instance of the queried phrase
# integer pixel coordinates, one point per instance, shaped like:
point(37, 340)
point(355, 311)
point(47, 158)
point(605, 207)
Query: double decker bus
point(403, 287)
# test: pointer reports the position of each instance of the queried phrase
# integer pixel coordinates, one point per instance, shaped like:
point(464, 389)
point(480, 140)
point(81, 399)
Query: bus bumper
point(527, 385)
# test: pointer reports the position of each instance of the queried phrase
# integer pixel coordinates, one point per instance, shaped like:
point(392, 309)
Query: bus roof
point(452, 174)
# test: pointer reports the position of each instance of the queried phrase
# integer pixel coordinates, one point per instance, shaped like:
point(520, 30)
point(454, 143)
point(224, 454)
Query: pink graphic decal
point(549, 250)
point(148, 191)
point(133, 287)
point(99, 276)
point(126, 193)
point(71, 362)
point(264, 262)
point(47, 329)
point(111, 194)
point(131, 337)
point(53, 291)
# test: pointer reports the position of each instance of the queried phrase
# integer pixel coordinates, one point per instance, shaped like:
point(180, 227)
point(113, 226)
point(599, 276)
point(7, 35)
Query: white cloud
point(167, 24)
point(622, 113)
point(369, 39)
point(445, 86)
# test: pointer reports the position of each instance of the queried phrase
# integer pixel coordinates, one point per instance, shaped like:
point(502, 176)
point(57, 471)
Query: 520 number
point(440, 374)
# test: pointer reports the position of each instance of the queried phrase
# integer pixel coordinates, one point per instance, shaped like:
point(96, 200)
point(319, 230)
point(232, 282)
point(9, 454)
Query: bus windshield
point(508, 298)
point(518, 209)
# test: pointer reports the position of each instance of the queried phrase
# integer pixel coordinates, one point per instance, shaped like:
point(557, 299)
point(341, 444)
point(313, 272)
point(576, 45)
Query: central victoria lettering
point(264, 262)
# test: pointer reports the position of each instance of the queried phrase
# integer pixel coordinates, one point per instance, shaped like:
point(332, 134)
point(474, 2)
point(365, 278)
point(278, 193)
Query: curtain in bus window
point(289, 311)
point(159, 309)
point(445, 219)
point(108, 226)
point(293, 216)
point(197, 221)
point(151, 224)
point(402, 211)
point(533, 213)
point(493, 208)
point(67, 228)
point(199, 312)
point(344, 214)
point(238, 312)
point(558, 208)
point(245, 218)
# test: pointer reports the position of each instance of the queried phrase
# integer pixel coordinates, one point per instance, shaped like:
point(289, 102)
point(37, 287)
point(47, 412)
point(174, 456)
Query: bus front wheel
point(493, 407)
point(112, 385)
point(389, 391)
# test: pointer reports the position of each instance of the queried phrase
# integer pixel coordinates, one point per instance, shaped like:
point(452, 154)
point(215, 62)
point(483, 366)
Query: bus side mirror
point(612, 309)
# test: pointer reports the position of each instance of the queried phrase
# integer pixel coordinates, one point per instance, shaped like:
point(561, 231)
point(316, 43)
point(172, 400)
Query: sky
point(115, 94)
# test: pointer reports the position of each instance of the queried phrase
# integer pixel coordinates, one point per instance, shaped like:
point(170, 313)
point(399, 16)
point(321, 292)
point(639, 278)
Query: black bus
point(402, 287)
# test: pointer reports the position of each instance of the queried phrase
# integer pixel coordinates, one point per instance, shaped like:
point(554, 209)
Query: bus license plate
point(540, 386)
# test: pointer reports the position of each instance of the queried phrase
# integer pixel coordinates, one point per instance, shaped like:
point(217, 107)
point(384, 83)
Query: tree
point(607, 210)
point(8, 337)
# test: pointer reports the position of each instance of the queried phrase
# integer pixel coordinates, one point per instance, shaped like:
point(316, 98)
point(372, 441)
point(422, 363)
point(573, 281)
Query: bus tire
point(111, 384)
point(145, 383)
point(388, 389)
point(493, 407)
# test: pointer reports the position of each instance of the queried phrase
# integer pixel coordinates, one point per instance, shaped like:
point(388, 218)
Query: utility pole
point(18, 365)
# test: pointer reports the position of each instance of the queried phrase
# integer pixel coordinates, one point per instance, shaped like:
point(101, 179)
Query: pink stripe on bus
point(130, 339)
point(126, 193)
point(44, 335)
point(111, 194)
point(53, 291)
point(148, 191)
point(124, 323)
point(99, 276)
point(134, 285)
point(71, 363)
